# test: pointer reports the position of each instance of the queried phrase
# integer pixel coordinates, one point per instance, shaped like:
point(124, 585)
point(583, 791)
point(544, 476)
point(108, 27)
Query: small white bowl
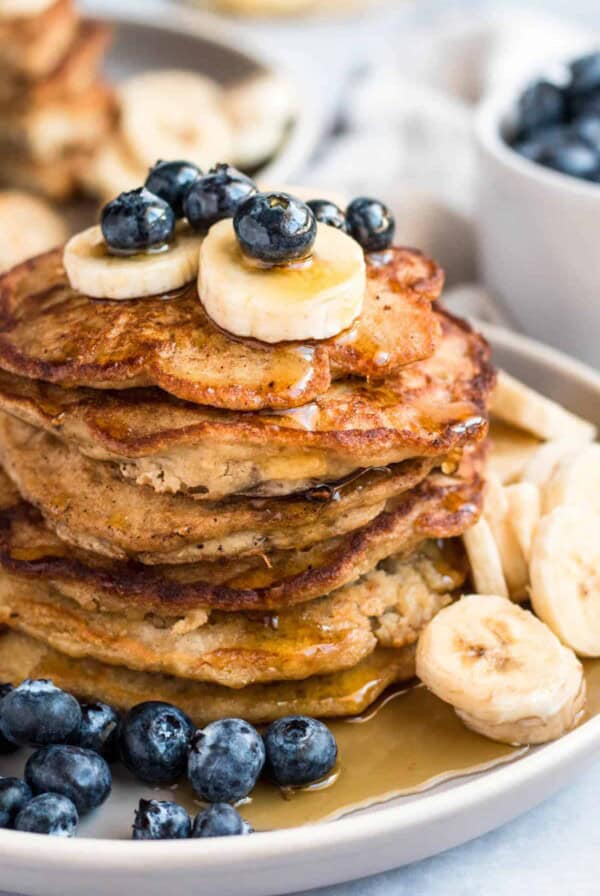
point(538, 238)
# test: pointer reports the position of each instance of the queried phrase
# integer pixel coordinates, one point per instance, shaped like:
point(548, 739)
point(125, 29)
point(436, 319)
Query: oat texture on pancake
point(241, 488)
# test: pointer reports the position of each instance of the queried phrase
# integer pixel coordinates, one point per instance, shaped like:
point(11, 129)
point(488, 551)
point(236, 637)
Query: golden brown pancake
point(387, 607)
point(429, 409)
point(340, 694)
point(439, 507)
point(32, 46)
point(90, 505)
point(53, 333)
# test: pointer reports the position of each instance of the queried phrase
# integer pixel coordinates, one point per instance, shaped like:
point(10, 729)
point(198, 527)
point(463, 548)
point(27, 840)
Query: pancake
point(75, 72)
point(32, 46)
point(56, 180)
point(89, 505)
point(429, 409)
point(53, 333)
point(340, 694)
point(439, 507)
point(387, 607)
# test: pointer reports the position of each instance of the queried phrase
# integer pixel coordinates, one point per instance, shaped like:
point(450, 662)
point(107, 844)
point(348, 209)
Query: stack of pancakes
point(54, 106)
point(239, 528)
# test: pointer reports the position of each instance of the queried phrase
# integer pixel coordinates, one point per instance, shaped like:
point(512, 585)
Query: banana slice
point(516, 403)
point(575, 480)
point(312, 301)
point(29, 226)
point(565, 576)
point(506, 674)
point(112, 170)
point(175, 115)
point(259, 109)
point(524, 512)
point(484, 559)
point(96, 273)
point(514, 565)
point(541, 464)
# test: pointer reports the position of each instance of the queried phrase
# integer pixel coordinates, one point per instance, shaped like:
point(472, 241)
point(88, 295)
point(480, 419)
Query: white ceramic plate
point(156, 34)
point(383, 837)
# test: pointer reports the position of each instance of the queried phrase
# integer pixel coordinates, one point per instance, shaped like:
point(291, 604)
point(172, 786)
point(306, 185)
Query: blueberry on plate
point(136, 222)
point(585, 104)
point(225, 761)
point(49, 813)
point(540, 105)
point(81, 775)
point(14, 795)
point(585, 73)
point(220, 820)
point(154, 740)
point(38, 713)
point(275, 228)
point(587, 128)
point(300, 750)
point(370, 223)
point(157, 820)
point(574, 157)
point(216, 196)
point(171, 181)
point(327, 212)
point(99, 730)
point(6, 747)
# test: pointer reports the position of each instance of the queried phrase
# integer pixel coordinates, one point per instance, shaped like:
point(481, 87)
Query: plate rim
point(435, 806)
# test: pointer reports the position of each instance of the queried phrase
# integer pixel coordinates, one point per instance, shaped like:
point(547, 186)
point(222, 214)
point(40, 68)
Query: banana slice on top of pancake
point(506, 674)
point(93, 271)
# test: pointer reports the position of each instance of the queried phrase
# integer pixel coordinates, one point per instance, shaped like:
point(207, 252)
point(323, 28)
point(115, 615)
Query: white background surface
point(554, 849)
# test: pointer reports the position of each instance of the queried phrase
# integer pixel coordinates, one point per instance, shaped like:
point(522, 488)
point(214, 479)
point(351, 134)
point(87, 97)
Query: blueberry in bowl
point(161, 820)
point(154, 739)
point(136, 222)
point(220, 820)
point(225, 761)
point(171, 181)
point(99, 730)
point(49, 813)
point(300, 751)
point(275, 228)
point(79, 774)
point(14, 796)
point(38, 713)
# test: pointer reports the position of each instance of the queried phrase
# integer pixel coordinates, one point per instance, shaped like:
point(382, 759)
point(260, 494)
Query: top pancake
point(428, 409)
point(52, 333)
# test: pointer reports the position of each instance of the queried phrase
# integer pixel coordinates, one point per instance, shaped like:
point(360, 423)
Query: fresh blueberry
point(215, 196)
point(154, 741)
point(155, 820)
point(572, 157)
point(6, 747)
point(99, 730)
point(371, 224)
point(79, 774)
point(220, 820)
point(585, 73)
point(275, 228)
point(171, 181)
point(14, 795)
point(137, 221)
point(300, 750)
point(587, 129)
point(542, 104)
point(327, 212)
point(225, 761)
point(38, 713)
point(49, 813)
point(586, 105)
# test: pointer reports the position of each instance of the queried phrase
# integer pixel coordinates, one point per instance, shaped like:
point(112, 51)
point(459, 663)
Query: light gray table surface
point(555, 848)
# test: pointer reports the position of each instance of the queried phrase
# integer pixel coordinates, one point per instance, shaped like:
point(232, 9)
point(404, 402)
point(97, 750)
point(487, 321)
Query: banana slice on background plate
point(484, 559)
point(94, 272)
point(515, 403)
point(506, 674)
point(575, 479)
point(259, 109)
point(303, 301)
point(175, 115)
point(565, 576)
point(542, 462)
point(512, 558)
point(524, 512)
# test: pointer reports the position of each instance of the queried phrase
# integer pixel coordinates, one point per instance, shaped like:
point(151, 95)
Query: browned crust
point(175, 346)
point(23, 36)
point(438, 508)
